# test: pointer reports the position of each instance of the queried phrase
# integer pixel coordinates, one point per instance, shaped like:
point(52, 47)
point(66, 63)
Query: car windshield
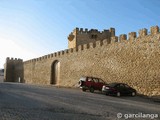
point(127, 86)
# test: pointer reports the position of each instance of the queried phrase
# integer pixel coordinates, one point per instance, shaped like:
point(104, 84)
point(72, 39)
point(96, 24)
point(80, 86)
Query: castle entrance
point(55, 72)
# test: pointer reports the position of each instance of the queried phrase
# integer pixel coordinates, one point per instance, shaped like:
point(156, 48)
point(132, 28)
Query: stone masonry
point(133, 60)
point(80, 36)
point(13, 70)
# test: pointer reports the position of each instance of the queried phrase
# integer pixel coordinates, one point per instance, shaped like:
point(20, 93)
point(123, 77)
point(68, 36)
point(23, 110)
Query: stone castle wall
point(133, 60)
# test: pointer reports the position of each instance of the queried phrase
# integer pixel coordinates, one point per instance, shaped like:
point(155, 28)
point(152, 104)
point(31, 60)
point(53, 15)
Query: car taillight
point(103, 87)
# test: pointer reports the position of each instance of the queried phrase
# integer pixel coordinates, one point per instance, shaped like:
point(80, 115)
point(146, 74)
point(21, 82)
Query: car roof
point(115, 83)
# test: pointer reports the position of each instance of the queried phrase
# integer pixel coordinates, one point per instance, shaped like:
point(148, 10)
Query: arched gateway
point(55, 72)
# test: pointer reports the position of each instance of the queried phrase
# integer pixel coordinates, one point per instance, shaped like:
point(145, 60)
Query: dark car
point(118, 89)
point(91, 83)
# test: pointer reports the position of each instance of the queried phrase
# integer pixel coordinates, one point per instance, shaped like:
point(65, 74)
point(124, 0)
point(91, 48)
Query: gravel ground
point(31, 102)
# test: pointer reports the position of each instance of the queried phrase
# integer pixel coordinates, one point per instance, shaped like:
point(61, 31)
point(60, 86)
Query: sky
point(33, 28)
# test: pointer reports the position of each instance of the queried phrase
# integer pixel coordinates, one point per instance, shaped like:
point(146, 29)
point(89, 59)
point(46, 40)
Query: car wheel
point(133, 94)
point(107, 94)
point(91, 89)
point(80, 83)
point(118, 94)
point(83, 89)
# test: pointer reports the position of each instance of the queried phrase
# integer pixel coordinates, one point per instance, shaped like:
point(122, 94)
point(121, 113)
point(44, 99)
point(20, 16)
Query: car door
point(89, 82)
point(120, 87)
point(95, 84)
point(127, 89)
point(124, 89)
point(100, 84)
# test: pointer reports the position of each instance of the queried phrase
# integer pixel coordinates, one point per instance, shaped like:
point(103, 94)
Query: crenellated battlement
point(141, 33)
point(8, 59)
point(86, 31)
point(81, 36)
point(115, 39)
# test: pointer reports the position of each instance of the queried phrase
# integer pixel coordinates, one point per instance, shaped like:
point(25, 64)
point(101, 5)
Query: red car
point(91, 83)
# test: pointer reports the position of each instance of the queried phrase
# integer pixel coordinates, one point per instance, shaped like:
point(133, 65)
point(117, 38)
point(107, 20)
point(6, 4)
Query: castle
point(133, 60)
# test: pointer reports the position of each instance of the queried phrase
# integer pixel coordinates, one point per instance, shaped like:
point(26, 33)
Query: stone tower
point(13, 70)
point(80, 36)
